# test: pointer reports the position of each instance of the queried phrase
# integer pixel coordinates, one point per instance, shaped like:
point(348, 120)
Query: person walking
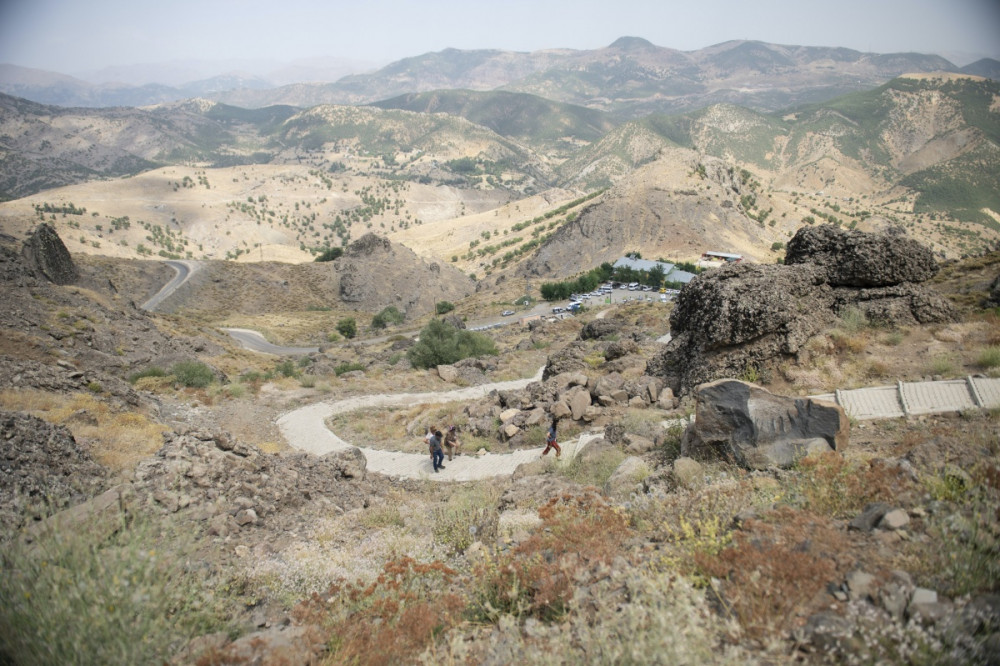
point(437, 452)
point(550, 440)
point(451, 442)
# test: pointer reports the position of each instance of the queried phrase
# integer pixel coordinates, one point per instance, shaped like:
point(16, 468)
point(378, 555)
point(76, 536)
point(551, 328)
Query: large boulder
point(44, 252)
point(735, 321)
point(750, 426)
point(859, 259)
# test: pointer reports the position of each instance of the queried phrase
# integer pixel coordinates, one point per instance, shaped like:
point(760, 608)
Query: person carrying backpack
point(550, 440)
point(437, 452)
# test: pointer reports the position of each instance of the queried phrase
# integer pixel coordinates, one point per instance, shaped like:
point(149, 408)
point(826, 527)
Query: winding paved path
point(305, 429)
point(254, 341)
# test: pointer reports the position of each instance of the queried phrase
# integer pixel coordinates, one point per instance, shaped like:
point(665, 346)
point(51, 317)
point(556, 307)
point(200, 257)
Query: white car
point(506, 313)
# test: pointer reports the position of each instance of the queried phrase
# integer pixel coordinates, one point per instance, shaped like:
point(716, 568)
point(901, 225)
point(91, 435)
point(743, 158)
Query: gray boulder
point(754, 428)
point(44, 252)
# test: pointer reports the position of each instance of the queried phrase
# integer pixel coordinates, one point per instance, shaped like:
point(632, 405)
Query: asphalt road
point(254, 341)
point(184, 269)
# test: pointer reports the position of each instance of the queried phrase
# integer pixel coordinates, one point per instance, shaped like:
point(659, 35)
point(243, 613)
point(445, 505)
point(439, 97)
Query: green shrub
point(853, 320)
point(329, 254)
point(151, 371)
point(595, 471)
point(78, 598)
point(989, 357)
point(192, 374)
point(286, 368)
point(347, 327)
point(389, 315)
point(348, 367)
point(442, 344)
point(444, 307)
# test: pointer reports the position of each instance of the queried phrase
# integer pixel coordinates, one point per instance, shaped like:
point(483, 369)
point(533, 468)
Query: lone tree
point(443, 344)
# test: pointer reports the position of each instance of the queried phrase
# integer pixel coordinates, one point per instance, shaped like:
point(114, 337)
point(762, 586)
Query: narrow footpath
point(305, 428)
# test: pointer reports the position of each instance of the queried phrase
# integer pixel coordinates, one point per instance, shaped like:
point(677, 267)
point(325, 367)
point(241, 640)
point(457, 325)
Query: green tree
point(347, 327)
point(655, 276)
point(441, 344)
point(444, 307)
point(330, 253)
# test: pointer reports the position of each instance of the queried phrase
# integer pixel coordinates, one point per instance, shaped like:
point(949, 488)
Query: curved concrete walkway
point(305, 429)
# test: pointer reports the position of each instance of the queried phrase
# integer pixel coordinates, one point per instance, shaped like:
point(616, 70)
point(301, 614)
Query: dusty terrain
point(312, 558)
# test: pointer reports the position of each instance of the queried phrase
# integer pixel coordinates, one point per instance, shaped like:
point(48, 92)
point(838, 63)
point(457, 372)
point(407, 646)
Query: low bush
point(989, 357)
point(388, 621)
point(151, 371)
point(192, 374)
point(347, 367)
point(773, 568)
point(470, 514)
point(579, 535)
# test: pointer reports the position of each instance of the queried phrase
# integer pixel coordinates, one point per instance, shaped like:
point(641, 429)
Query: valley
point(235, 467)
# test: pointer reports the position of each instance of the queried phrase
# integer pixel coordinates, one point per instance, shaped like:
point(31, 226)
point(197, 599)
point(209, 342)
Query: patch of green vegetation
point(442, 344)
point(192, 374)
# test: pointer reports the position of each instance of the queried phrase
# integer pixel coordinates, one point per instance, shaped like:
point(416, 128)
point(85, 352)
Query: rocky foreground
point(816, 540)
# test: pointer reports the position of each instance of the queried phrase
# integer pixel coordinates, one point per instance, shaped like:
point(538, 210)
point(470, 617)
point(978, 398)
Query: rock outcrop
point(734, 321)
point(858, 259)
point(44, 252)
point(752, 427)
point(42, 470)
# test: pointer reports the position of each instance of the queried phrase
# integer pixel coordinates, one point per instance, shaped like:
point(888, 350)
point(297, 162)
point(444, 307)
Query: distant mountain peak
point(632, 44)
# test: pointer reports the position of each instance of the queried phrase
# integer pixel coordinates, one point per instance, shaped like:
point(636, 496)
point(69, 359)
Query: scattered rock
point(894, 520)
point(626, 477)
point(869, 517)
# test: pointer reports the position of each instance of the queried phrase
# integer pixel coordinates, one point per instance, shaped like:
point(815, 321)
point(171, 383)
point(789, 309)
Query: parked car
point(506, 313)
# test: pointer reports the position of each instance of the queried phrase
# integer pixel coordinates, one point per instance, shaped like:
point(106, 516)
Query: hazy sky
point(74, 36)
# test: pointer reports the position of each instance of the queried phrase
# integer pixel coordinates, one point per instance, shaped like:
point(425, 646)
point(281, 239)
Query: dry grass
point(118, 440)
point(776, 569)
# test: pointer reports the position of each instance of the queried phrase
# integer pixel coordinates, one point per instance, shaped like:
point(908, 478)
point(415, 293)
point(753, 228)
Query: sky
point(82, 36)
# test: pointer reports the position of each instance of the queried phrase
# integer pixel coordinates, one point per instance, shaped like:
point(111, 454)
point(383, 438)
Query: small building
point(724, 257)
point(670, 271)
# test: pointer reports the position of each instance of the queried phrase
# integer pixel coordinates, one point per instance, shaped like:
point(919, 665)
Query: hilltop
point(918, 152)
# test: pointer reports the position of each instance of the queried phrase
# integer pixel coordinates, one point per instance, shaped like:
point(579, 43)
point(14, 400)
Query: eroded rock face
point(44, 252)
point(748, 425)
point(732, 322)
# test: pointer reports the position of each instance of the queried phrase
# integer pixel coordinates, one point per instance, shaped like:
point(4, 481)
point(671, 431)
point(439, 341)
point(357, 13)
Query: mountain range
point(629, 78)
point(485, 179)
